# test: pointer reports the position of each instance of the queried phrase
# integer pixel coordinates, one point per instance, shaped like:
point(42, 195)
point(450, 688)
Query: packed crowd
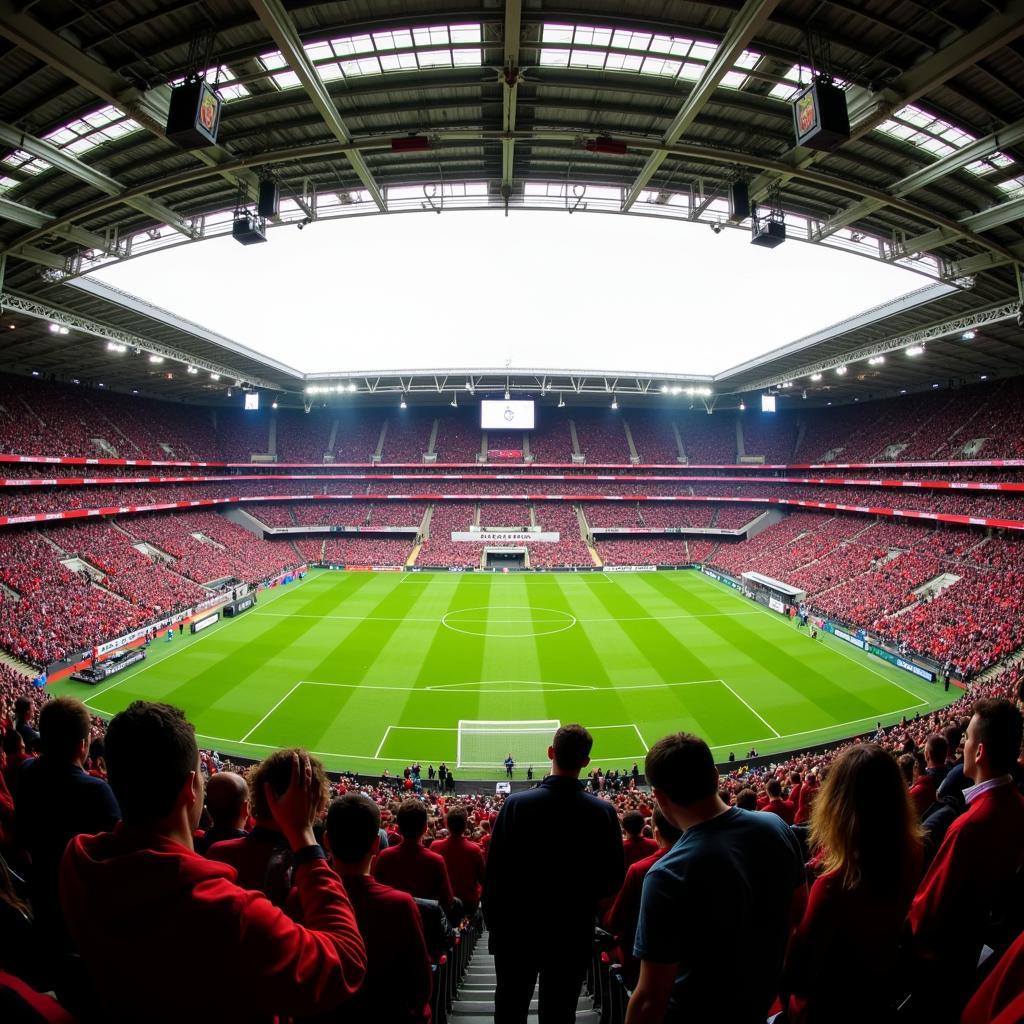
point(863, 873)
point(382, 551)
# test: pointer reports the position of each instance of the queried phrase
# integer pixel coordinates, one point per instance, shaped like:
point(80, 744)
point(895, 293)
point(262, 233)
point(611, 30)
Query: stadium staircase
point(681, 457)
point(577, 455)
point(475, 1001)
point(633, 456)
point(741, 448)
point(17, 665)
point(332, 439)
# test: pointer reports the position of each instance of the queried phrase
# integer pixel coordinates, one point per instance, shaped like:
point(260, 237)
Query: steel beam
point(42, 311)
point(277, 22)
point(993, 32)
point(993, 217)
point(71, 165)
point(510, 90)
point(998, 140)
point(933, 332)
point(742, 29)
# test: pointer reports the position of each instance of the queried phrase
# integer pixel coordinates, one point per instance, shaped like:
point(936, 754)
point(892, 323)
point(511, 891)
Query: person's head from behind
point(412, 819)
point(682, 775)
point(774, 789)
point(665, 832)
point(863, 823)
point(353, 830)
point(993, 741)
point(935, 750)
point(746, 799)
point(953, 735)
point(169, 788)
point(64, 728)
point(22, 710)
point(275, 771)
point(570, 749)
point(227, 800)
point(456, 820)
point(13, 744)
point(633, 824)
point(906, 766)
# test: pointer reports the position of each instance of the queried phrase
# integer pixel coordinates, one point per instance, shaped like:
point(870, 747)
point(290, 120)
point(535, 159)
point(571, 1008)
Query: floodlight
point(401, 404)
point(915, 350)
point(561, 401)
point(841, 371)
point(214, 376)
point(968, 335)
point(815, 376)
point(615, 403)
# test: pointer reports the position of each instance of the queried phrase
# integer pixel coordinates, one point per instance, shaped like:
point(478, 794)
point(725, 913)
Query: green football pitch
point(375, 670)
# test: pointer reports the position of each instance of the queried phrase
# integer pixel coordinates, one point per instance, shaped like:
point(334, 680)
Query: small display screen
point(252, 401)
point(767, 403)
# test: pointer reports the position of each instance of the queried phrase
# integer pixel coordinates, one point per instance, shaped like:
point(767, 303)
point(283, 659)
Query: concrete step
point(586, 1017)
point(462, 1008)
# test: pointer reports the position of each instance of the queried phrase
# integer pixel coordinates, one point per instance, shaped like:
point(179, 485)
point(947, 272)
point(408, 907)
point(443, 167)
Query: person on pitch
point(509, 765)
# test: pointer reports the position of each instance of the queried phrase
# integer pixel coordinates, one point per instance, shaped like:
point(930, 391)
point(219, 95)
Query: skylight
point(644, 53)
point(25, 162)
point(86, 133)
point(375, 53)
point(223, 80)
point(800, 75)
point(926, 131)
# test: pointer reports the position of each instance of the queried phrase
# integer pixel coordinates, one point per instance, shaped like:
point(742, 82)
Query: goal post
point(486, 743)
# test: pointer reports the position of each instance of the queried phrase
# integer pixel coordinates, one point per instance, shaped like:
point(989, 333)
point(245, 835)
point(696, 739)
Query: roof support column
point(509, 89)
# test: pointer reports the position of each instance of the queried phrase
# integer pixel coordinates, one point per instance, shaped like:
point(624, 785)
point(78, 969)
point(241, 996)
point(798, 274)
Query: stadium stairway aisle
point(475, 1003)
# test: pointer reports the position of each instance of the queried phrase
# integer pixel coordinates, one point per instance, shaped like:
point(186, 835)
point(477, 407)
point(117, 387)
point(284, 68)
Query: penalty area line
point(270, 712)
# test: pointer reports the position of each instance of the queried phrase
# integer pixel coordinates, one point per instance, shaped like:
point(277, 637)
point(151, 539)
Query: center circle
point(508, 621)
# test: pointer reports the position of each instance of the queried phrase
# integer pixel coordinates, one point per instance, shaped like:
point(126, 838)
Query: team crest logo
point(509, 414)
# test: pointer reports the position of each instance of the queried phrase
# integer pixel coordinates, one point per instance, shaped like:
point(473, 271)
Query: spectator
point(746, 799)
point(139, 900)
point(776, 805)
point(624, 913)
point(464, 860)
point(582, 842)
point(14, 757)
point(388, 921)
point(410, 866)
point(227, 800)
point(981, 852)
point(841, 964)
point(23, 712)
point(262, 858)
point(56, 800)
point(736, 873)
point(636, 846)
point(926, 787)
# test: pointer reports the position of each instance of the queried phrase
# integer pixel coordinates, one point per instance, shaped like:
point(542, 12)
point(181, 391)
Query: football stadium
point(452, 583)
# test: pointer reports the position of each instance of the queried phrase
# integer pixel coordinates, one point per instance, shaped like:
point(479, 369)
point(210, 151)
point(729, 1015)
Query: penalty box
point(476, 745)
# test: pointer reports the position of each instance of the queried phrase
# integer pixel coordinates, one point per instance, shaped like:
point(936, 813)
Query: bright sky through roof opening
point(534, 290)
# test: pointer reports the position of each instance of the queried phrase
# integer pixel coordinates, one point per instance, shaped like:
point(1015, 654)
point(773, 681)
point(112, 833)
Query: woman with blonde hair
point(842, 959)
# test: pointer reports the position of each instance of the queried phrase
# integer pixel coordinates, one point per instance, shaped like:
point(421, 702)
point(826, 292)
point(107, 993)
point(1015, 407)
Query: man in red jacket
point(975, 865)
point(389, 921)
point(140, 904)
point(636, 846)
point(410, 866)
point(463, 859)
point(775, 804)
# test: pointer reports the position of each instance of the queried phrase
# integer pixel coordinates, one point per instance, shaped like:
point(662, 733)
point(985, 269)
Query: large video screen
point(506, 415)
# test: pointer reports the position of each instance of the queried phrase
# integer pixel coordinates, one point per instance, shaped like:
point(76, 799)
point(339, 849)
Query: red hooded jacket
point(141, 909)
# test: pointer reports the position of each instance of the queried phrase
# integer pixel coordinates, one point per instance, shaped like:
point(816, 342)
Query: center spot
point(508, 621)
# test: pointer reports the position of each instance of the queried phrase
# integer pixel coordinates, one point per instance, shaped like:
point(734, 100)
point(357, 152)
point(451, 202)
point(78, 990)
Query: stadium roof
point(607, 106)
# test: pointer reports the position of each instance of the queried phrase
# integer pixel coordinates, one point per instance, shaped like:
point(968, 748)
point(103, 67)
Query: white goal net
point(486, 744)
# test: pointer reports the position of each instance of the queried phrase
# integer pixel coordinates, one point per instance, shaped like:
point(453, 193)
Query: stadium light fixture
point(876, 360)
point(454, 403)
point(507, 395)
point(615, 403)
point(116, 346)
point(35, 373)
point(677, 390)
point(54, 328)
point(664, 389)
point(214, 376)
point(156, 359)
point(841, 371)
point(192, 370)
point(815, 376)
point(273, 404)
point(915, 350)
point(561, 401)
point(743, 406)
point(351, 387)
point(401, 404)
point(968, 335)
